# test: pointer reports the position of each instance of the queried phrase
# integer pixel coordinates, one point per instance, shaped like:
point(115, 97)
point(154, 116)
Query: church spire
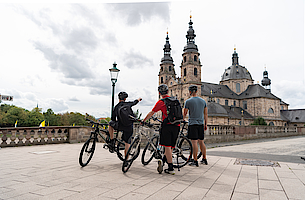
point(235, 57)
point(167, 51)
point(190, 36)
point(266, 82)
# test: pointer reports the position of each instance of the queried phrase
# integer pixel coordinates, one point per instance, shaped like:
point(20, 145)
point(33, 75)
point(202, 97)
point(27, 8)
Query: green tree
point(16, 114)
point(51, 118)
point(259, 121)
point(35, 117)
point(77, 119)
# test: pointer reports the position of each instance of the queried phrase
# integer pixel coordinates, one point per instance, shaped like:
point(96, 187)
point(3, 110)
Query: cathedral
point(236, 100)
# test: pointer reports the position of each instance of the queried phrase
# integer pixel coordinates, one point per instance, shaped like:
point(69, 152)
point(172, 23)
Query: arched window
point(184, 58)
point(166, 78)
point(271, 124)
point(161, 79)
point(184, 72)
point(237, 87)
point(195, 58)
point(169, 68)
point(195, 71)
point(234, 103)
point(226, 102)
point(270, 110)
point(282, 107)
point(245, 106)
point(161, 69)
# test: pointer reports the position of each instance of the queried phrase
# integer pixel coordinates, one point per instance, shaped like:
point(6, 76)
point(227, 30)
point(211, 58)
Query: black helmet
point(123, 95)
point(193, 88)
point(163, 89)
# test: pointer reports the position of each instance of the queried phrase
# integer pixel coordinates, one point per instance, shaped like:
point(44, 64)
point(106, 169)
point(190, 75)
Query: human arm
point(185, 111)
point(149, 115)
point(132, 103)
point(205, 112)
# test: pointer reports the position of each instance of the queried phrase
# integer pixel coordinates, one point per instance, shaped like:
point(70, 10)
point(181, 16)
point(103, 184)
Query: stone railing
point(22, 136)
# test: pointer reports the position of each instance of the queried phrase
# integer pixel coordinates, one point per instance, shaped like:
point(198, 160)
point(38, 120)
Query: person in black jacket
point(117, 124)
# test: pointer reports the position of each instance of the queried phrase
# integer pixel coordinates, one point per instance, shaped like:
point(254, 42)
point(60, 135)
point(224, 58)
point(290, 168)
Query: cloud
point(57, 105)
point(134, 59)
point(73, 99)
point(136, 13)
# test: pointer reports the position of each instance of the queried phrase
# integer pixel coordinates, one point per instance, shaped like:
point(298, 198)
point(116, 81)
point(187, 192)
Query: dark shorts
point(168, 135)
point(196, 132)
point(126, 130)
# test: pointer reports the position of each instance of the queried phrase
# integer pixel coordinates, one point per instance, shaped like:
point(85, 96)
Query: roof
point(294, 116)
point(216, 90)
point(215, 109)
point(236, 72)
point(254, 91)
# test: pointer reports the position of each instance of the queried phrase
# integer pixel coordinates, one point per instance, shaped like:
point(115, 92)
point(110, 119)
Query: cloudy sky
point(59, 55)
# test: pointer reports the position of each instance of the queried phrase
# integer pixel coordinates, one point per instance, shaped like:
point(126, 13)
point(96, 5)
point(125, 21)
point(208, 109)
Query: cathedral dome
point(215, 109)
point(236, 71)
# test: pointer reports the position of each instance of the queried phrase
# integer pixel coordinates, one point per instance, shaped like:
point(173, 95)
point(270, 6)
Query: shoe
point(170, 171)
point(204, 161)
point(194, 163)
point(160, 166)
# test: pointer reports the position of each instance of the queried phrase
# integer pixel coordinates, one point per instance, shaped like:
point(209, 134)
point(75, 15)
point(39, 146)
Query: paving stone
point(270, 185)
point(192, 193)
point(272, 195)
point(134, 196)
point(164, 194)
point(244, 196)
point(266, 173)
point(213, 193)
point(247, 184)
point(294, 188)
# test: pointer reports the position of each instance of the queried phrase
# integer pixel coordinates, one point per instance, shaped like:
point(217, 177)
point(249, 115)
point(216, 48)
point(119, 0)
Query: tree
point(35, 117)
point(51, 118)
point(259, 121)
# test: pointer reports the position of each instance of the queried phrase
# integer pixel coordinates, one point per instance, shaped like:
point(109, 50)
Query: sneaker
point(170, 171)
point(204, 161)
point(160, 166)
point(194, 163)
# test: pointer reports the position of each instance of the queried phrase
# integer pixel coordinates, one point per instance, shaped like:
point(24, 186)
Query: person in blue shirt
point(198, 117)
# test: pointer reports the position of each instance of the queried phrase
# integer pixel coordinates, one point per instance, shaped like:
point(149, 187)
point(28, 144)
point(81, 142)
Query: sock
point(164, 160)
point(170, 166)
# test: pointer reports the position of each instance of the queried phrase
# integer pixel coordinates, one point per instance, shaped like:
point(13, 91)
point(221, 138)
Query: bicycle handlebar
point(93, 122)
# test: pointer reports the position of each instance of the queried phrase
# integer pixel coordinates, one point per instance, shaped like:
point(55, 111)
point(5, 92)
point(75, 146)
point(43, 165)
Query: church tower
point(167, 64)
point(190, 65)
point(266, 82)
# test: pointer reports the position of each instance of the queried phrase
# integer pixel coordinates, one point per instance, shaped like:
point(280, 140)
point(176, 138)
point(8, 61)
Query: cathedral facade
point(236, 100)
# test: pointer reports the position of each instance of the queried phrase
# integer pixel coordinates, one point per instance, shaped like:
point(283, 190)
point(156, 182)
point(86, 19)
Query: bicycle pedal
point(106, 146)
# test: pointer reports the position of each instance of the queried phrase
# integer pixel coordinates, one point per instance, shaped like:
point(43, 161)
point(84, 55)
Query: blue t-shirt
point(196, 106)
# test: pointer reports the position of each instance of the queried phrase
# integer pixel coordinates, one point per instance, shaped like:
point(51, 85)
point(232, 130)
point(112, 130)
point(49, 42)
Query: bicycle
point(181, 153)
point(88, 148)
point(183, 146)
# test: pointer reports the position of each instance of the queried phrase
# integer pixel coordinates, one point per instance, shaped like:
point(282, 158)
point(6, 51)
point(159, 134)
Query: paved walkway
point(53, 172)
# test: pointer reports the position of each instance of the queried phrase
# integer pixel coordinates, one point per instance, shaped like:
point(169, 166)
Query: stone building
point(236, 100)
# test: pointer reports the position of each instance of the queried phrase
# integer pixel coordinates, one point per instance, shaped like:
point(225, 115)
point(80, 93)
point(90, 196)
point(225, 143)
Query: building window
point(245, 106)
point(234, 103)
point(169, 68)
point(195, 71)
point(226, 102)
point(271, 124)
point(171, 83)
point(217, 100)
point(184, 58)
point(282, 107)
point(161, 79)
point(166, 78)
point(195, 58)
point(237, 87)
point(270, 110)
point(184, 72)
point(161, 69)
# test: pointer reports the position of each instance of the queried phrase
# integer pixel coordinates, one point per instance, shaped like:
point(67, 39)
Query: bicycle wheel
point(149, 152)
point(132, 154)
point(182, 153)
point(120, 149)
point(87, 152)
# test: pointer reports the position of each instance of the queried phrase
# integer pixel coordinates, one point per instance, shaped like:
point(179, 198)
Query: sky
point(58, 55)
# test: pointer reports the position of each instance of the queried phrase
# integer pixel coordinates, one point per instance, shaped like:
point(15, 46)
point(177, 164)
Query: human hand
point(140, 99)
point(205, 127)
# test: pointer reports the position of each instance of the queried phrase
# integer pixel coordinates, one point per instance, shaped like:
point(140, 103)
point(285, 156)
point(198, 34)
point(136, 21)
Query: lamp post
point(114, 72)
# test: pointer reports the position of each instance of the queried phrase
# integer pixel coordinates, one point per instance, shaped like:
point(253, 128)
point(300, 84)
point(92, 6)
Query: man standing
point(117, 123)
point(198, 117)
point(168, 134)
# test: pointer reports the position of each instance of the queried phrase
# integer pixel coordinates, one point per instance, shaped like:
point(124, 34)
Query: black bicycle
point(182, 152)
point(88, 148)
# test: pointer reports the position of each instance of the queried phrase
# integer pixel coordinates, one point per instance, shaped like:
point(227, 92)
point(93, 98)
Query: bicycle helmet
point(193, 88)
point(123, 95)
point(163, 89)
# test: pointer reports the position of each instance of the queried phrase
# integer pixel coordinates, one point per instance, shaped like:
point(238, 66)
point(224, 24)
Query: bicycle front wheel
point(182, 153)
point(149, 152)
point(132, 154)
point(87, 152)
point(120, 149)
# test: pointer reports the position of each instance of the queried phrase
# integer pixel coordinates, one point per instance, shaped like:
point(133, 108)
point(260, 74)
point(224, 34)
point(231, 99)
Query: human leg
point(203, 151)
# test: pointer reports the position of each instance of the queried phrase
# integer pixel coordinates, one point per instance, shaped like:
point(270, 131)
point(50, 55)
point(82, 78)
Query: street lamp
point(114, 72)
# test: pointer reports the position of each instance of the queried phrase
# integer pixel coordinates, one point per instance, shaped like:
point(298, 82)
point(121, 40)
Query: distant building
point(236, 99)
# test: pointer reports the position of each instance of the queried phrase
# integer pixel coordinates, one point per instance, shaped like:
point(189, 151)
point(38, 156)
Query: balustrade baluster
point(13, 138)
point(28, 137)
point(4, 138)
point(42, 136)
point(20, 138)
point(36, 136)
point(49, 135)
point(56, 136)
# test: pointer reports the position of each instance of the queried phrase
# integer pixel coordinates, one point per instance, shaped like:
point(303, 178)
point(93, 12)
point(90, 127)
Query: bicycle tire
point(182, 153)
point(120, 149)
point(87, 152)
point(149, 152)
point(132, 154)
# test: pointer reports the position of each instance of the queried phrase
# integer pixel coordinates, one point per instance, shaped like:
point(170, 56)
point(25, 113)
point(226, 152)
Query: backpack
point(124, 113)
point(174, 110)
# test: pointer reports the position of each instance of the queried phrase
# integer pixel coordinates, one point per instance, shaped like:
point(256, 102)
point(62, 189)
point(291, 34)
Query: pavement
point(53, 172)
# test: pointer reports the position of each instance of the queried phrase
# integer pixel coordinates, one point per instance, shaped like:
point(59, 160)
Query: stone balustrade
point(22, 136)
